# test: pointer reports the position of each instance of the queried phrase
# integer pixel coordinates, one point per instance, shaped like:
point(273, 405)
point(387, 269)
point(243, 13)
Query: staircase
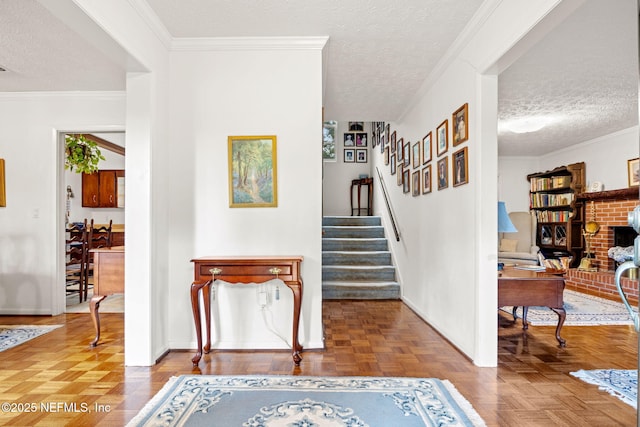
point(356, 262)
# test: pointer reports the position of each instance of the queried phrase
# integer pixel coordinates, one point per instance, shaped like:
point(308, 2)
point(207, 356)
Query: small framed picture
point(632, 172)
point(441, 137)
point(392, 162)
point(460, 167)
point(361, 139)
point(386, 155)
point(399, 173)
point(356, 126)
point(349, 155)
point(406, 183)
point(361, 156)
point(400, 149)
point(460, 124)
point(407, 154)
point(415, 183)
point(349, 140)
point(426, 149)
point(443, 173)
point(392, 140)
point(426, 179)
point(416, 155)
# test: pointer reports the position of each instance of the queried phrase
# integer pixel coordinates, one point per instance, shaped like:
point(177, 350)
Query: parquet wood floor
point(530, 387)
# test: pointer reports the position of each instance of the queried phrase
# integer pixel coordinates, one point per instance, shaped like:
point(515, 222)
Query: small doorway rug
point(620, 383)
point(207, 400)
point(582, 310)
point(13, 335)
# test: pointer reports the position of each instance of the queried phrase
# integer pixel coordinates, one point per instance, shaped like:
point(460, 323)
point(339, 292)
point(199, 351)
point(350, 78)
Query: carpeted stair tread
point(356, 261)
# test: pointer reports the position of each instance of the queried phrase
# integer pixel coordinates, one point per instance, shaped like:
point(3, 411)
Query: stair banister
point(386, 201)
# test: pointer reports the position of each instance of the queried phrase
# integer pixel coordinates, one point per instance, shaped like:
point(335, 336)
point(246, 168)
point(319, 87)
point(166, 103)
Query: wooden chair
point(76, 245)
point(98, 237)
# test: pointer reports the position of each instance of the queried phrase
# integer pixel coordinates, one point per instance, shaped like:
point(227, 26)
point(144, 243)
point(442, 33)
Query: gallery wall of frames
point(439, 153)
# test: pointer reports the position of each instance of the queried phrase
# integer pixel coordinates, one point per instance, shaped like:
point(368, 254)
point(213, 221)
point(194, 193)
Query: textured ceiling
point(583, 77)
point(378, 55)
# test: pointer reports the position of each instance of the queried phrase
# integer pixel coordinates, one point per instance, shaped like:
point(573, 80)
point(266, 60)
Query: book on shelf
point(543, 200)
point(550, 183)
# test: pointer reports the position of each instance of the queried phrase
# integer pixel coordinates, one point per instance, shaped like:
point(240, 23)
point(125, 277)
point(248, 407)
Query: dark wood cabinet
point(559, 212)
point(100, 189)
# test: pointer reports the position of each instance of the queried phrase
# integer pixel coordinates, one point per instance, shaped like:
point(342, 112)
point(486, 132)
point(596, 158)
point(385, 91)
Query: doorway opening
point(93, 203)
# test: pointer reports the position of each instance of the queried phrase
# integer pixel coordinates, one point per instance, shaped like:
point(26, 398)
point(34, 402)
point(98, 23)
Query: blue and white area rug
point(252, 401)
point(13, 335)
point(618, 382)
point(582, 310)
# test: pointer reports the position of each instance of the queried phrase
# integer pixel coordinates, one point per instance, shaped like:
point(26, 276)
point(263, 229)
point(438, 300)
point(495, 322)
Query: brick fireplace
point(611, 209)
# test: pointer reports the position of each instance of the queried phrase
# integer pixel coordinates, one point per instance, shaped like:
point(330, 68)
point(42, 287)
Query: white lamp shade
point(504, 222)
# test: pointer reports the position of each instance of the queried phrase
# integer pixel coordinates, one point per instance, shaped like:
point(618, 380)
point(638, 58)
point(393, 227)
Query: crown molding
point(248, 43)
point(152, 20)
point(67, 94)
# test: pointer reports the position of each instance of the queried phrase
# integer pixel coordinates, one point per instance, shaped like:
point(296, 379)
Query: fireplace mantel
point(623, 193)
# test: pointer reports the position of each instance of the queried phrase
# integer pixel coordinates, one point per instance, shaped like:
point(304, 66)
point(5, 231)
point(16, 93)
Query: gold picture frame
point(460, 162)
point(253, 174)
point(442, 138)
point(633, 172)
point(3, 194)
point(460, 124)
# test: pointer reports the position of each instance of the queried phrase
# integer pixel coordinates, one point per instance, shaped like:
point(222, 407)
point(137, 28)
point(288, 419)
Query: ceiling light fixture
point(527, 124)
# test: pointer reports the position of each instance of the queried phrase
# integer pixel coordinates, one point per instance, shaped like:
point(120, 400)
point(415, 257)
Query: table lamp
point(504, 224)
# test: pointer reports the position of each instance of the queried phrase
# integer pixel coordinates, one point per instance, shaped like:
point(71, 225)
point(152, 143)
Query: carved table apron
point(243, 269)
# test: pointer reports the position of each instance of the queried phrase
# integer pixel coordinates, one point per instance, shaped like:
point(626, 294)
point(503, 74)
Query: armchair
point(519, 247)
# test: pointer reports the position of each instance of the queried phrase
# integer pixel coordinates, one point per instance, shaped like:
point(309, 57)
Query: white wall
point(217, 93)
point(32, 224)
point(338, 175)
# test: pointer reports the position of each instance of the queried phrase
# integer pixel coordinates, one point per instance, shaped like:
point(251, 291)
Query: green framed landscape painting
point(252, 172)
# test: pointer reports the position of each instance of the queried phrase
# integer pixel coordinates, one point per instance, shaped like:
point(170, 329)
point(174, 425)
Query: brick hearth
point(611, 209)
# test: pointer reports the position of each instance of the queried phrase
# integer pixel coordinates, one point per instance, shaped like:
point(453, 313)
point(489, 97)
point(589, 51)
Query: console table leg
point(295, 344)
point(195, 308)
point(94, 307)
point(562, 315)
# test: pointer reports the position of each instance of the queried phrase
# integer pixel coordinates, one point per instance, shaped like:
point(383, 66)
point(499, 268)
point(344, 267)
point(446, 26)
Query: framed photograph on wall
point(356, 126)
point(361, 156)
point(416, 155)
point(252, 172)
point(349, 155)
point(460, 125)
point(361, 139)
point(392, 141)
point(426, 149)
point(399, 173)
point(460, 167)
point(406, 181)
point(443, 173)
point(415, 183)
point(386, 155)
point(441, 138)
point(426, 179)
point(349, 140)
point(3, 193)
point(400, 150)
point(633, 172)
point(407, 154)
point(392, 163)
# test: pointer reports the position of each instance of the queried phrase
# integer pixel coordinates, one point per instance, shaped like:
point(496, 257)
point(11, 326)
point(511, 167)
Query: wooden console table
point(108, 279)
point(243, 270)
point(358, 183)
point(524, 288)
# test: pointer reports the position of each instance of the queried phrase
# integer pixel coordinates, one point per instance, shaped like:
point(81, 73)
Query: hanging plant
point(82, 154)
